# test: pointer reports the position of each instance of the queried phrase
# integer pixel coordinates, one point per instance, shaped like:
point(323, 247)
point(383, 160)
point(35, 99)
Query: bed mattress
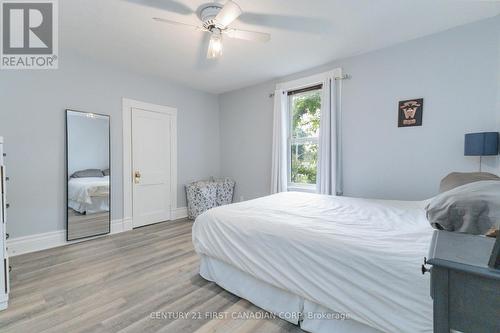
point(97, 205)
point(89, 195)
point(360, 257)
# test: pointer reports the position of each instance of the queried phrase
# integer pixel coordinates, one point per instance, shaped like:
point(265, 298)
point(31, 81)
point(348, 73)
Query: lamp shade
point(481, 144)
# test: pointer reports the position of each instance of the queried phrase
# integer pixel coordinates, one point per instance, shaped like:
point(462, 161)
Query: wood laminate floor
point(137, 281)
point(85, 225)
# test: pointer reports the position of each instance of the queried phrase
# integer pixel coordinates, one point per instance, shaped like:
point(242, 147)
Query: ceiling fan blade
point(168, 5)
point(162, 20)
point(248, 35)
point(230, 12)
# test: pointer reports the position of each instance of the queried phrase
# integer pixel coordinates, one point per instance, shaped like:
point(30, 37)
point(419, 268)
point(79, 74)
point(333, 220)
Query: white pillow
point(472, 208)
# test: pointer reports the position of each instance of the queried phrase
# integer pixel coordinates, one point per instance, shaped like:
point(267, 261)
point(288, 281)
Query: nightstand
point(465, 291)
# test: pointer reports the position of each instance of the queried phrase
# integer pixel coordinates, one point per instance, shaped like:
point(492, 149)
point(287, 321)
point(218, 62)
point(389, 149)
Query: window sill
point(301, 188)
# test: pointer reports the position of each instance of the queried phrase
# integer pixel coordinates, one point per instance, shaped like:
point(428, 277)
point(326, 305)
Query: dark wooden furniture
point(466, 292)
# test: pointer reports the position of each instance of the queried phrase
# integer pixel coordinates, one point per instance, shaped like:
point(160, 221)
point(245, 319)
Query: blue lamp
point(481, 144)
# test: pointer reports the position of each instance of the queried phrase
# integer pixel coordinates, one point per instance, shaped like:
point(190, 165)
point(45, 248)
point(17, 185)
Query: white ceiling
point(305, 34)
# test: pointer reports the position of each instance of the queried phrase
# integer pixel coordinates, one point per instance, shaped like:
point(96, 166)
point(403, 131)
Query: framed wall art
point(410, 112)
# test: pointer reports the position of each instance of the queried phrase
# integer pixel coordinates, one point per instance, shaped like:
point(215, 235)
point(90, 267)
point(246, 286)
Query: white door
point(151, 166)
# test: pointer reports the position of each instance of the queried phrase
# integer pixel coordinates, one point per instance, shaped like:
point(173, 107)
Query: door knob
point(137, 177)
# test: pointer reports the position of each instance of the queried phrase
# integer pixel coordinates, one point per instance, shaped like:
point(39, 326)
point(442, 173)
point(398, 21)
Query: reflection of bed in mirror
point(89, 195)
point(88, 182)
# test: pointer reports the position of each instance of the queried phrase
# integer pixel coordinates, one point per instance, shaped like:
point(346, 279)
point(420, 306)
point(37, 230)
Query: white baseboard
point(3, 305)
point(47, 240)
point(180, 213)
point(128, 224)
point(32, 243)
point(121, 225)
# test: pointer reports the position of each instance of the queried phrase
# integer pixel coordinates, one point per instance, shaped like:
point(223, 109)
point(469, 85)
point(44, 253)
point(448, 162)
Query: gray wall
point(88, 142)
point(456, 72)
point(246, 124)
point(32, 122)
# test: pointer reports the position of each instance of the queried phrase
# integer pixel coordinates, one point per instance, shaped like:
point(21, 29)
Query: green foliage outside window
point(306, 111)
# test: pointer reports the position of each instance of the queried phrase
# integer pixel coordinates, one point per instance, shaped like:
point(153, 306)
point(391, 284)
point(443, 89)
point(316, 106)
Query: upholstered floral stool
point(205, 194)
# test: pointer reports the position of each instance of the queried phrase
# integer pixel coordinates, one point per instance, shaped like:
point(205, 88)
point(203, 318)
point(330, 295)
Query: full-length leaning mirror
point(88, 174)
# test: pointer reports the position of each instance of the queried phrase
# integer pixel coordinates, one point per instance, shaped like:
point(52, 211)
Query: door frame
point(127, 106)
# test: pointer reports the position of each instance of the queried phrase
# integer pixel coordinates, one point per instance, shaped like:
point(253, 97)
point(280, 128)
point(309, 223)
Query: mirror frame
point(67, 173)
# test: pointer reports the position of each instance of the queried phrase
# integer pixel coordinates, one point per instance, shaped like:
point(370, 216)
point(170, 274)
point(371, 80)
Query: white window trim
point(294, 85)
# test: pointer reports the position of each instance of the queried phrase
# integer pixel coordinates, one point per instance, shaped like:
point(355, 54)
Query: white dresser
point(4, 264)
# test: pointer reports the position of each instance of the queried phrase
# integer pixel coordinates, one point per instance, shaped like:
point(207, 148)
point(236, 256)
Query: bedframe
point(328, 264)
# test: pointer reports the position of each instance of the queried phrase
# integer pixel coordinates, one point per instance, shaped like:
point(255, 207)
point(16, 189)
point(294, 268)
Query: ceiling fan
point(215, 19)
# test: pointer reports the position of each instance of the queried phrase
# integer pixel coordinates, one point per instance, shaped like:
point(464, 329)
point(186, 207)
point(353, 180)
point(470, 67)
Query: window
point(304, 117)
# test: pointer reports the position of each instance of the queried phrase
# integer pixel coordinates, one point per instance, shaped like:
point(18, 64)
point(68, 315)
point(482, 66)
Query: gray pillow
point(456, 179)
point(87, 173)
point(105, 172)
point(472, 208)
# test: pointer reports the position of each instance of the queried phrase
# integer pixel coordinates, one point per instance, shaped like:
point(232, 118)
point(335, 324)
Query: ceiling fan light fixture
point(215, 45)
point(215, 20)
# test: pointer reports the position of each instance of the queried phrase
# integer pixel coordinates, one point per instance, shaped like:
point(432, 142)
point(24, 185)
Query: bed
point(326, 263)
point(89, 195)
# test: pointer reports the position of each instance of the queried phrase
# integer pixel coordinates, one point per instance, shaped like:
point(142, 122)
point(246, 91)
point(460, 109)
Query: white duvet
point(81, 190)
point(355, 256)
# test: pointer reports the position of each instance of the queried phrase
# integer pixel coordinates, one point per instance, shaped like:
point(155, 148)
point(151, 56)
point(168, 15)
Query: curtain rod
point(338, 78)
